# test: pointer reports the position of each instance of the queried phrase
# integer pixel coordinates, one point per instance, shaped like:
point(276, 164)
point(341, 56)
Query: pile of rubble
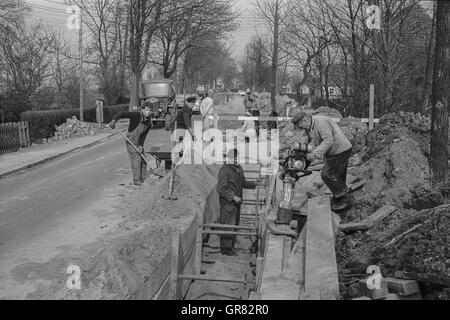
point(394, 161)
point(75, 128)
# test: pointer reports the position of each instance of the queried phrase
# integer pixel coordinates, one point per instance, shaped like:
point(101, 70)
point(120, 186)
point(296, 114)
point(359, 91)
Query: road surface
point(58, 207)
point(65, 203)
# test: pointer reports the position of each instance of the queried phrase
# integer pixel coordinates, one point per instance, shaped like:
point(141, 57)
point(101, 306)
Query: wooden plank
point(370, 222)
point(295, 268)
point(355, 226)
point(381, 214)
point(189, 235)
point(254, 296)
point(157, 279)
point(356, 185)
point(321, 282)
point(289, 285)
point(230, 233)
point(259, 268)
point(198, 243)
point(371, 106)
point(402, 287)
point(188, 268)
point(227, 226)
point(272, 266)
point(175, 268)
point(287, 246)
point(163, 293)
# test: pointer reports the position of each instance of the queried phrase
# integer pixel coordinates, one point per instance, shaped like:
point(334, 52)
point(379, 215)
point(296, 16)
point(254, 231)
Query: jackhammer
point(294, 165)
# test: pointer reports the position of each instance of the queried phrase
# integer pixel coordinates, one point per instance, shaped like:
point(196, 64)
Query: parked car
point(241, 92)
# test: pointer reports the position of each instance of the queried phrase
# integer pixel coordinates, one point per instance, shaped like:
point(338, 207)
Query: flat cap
point(191, 99)
point(299, 117)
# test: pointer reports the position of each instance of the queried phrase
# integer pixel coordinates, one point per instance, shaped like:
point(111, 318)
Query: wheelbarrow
point(160, 156)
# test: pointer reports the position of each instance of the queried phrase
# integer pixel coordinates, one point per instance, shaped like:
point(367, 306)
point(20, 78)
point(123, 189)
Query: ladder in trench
point(250, 226)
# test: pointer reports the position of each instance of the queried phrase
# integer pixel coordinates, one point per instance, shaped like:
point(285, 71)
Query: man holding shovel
point(140, 124)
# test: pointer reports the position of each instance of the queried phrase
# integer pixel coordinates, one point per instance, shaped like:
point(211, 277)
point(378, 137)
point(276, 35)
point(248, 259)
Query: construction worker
point(183, 120)
point(335, 149)
point(207, 110)
point(140, 124)
point(251, 106)
point(231, 182)
point(248, 127)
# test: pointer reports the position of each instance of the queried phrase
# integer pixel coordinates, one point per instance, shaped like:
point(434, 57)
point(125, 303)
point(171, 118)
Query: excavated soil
point(397, 172)
point(393, 158)
point(116, 266)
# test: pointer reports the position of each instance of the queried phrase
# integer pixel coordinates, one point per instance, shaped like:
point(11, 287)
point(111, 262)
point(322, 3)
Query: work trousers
point(256, 113)
point(334, 173)
point(138, 165)
point(229, 214)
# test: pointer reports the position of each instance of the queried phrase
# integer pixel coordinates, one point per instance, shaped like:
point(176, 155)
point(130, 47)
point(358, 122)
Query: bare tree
point(25, 60)
point(144, 19)
point(274, 12)
point(307, 38)
point(106, 23)
point(189, 23)
point(440, 96)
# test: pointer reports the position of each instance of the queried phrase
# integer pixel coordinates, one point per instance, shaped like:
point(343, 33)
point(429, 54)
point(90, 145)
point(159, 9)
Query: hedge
point(42, 123)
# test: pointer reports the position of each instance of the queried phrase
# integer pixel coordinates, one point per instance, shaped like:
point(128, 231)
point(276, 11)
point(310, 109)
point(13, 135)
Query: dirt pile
point(416, 237)
point(116, 267)
point(412, 241)
point(75, 128)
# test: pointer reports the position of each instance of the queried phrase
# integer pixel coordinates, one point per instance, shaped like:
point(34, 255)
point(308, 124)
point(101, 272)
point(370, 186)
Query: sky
point(54, 13)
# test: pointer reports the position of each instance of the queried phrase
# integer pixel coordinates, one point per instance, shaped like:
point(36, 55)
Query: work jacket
point(206, 107)
point(138, 127)
point(184, 117)
point(250, 104)
point(231, 182)
point(328, 137)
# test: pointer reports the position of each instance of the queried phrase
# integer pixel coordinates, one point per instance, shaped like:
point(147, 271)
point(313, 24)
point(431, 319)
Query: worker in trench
point(333, 147)
point(182, 126)
point(251, 106)
point(231, 182)
point(140, 124)
point(207, 110)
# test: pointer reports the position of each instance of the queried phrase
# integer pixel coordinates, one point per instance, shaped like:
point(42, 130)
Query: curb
point(43, 161)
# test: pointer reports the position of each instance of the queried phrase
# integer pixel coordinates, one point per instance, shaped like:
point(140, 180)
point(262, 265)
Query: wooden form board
point(283, 269)
point(156, 286)
point(369, 222)
point(321, 275)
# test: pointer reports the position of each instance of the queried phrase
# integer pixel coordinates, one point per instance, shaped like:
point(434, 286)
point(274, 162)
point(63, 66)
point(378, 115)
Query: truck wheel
point(167, 122)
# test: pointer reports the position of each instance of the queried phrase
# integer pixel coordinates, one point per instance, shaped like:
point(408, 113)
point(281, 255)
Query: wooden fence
point(13, 136)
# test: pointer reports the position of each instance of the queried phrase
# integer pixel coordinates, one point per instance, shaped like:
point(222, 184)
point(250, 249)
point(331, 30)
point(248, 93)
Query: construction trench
point(399, 223)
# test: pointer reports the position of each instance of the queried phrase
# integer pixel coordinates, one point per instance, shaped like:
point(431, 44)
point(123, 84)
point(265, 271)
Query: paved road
point(35, 201)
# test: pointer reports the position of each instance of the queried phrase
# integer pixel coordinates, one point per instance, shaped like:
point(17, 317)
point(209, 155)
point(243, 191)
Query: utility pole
point(81, 76)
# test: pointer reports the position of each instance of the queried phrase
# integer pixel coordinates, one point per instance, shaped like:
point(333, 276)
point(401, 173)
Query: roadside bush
point(8, 144)
point(42, 123)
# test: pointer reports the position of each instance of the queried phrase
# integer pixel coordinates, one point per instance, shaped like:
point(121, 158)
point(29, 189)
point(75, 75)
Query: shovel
point(138, 151)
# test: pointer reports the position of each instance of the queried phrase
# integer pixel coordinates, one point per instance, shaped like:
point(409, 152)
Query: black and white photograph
point(224, 154)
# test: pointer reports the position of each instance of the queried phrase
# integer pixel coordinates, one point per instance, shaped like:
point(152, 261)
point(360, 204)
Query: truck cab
point(164, 91)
